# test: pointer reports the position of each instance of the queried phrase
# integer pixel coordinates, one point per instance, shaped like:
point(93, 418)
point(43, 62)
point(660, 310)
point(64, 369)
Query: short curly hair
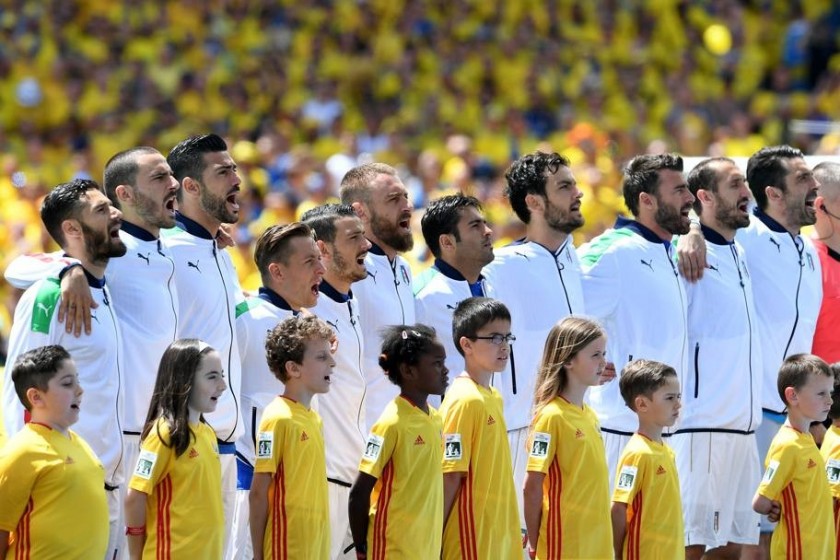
point(287, 341)
point(528, 175)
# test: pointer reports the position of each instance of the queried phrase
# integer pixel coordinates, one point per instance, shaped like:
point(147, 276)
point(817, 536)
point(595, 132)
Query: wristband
point(135, 531)
point(532, 552)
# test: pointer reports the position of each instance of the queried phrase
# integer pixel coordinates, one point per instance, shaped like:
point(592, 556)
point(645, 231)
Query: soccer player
point(341, 240)
point(794, 489)
point(291, 269)
point(52, 500)
point(539, 279)
point(481, 519)
point(646, 514)
point(827, 243)
point(715, 444)
point(632, 287)
point(457, 234)
point(208, 288)
point(289, 507)
point(79, 217)
point(401, 463)
point(380, 199)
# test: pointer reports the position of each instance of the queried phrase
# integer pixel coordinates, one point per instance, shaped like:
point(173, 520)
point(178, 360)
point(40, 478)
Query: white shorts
point(764, 434)
point(518, 441)
point(719, 473)
point(613, 445)
point(228, 461)
point(340, 537)
point(131, 450)
point(116, 526)
point(240, 538)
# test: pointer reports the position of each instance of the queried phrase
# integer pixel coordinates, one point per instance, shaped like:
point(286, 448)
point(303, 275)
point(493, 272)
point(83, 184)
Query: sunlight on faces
point(562, 201)
point(430, 372)
point(219, 188)
point(100, 223)
point(483, 354)
point(663, 406)
point(586, 367)
point(731, 201)
point(208, 384)
point(58, 407)
point(812, 400)
point(301, 276)
point(348, 251)
point(155, 191)
point(673, 202)
point(390, 213)
point(801, 190)
point(315, 370)
point(475, 243)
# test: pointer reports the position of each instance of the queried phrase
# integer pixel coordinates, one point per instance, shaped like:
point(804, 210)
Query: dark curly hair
point(528, 175)
point(641, 175)
point(404, 344)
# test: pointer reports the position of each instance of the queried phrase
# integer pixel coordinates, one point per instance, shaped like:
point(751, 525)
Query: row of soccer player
point(181, 284)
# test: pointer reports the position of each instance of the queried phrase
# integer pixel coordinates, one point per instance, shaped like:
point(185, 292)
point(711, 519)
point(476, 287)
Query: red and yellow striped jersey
point(290, 445)
point(566, 445)
point(52, 496)
point(184, 509)
point(647, 481)
point(404, 451)
point(484, 522)
point(795, 475)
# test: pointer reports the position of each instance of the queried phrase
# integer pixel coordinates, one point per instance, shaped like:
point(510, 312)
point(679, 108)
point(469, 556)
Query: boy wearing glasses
point(481, 518)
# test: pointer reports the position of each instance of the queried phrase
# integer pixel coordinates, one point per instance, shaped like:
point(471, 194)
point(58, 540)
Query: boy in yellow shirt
point(795, 489)
point(830, 450)
point(646, 511)
point(52, 485)
point(288, 501)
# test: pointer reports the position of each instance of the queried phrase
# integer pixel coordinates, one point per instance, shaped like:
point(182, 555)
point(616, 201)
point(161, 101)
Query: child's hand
point(775, 511)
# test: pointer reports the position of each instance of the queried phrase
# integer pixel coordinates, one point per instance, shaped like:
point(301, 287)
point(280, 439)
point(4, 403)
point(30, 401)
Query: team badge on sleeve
point(627, 477)
point(539, 445)
point(452, 447)
point(145, 464)
point(832, 469)
point(771, 470)
point(373, 447)
point(265, 445)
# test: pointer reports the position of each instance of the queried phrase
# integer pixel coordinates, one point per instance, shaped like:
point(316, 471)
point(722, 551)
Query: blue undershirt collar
point(137, 231)
point(192, 227)
point(644, 231)
point(476, 288)
point(714, 237)
point(334, 294)
point(376, 249)
point(275, 299)
point(771, 224)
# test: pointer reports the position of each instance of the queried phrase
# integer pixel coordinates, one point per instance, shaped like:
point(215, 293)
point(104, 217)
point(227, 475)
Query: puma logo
point(648, 263)
point(453, 306)
point(144, 257)
point(194, 265)
point(776, 243)
point(372, 274)
point(713, 267)
point(523, 255)
point(43, 308)
point(333, 325)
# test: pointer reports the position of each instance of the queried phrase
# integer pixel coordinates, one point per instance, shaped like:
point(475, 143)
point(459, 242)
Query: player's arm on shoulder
point(76, 301)
point(618, 513)
point(135, 522)
point(358, 509)
point(691, 254)
point(258, 511)
point(25, 270)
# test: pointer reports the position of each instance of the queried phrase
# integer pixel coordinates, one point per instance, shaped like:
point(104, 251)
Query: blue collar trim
point(137, 231)
point(192, 227)
point(636, 227)
point(275, 299)
point(93, 281)
point(714, 237)
point(376, 249)
point(476, 288)
point(772, 224)
point(332, 293)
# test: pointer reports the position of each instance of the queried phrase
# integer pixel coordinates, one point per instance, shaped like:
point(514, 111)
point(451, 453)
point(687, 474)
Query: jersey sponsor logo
point(648, 263)
point(43, 308)
point(69, 460)
point(579, 434)
point(265, 445)
point(372, 274)
point(452, 447)
point(194, 265)
point(811, 463)
point(832, 470)
point(304, 436)
point(145, 257)
point(419, 441)
point(539, 446)
point(404, 274)
point(193, 453)
point(770, 472)
point(93, 316)
point(523, 255)
point(490, 420)
point(710, 266)
point(452, 306)
point(334, 325)
point(660, 470)
point(373, 447)
point(627, 477)
point(145, 464)
point(776, 243)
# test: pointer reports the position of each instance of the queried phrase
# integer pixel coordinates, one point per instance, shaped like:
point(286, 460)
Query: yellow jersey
point(795, 476)
point(52, 492)
point(184, 510)
point(403, 452)
point(830, 451)
point(647, 481)
point(565, 444)
point(290, 446)
point(484, 522)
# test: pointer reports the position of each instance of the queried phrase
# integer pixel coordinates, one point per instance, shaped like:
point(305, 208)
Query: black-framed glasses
point(497, 338)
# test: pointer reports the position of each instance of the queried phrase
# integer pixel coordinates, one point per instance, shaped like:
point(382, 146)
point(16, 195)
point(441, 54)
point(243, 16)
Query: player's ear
point(465, 344)
point(640, 403)
point(35, 397)
point(292, 369)
point(790, 394)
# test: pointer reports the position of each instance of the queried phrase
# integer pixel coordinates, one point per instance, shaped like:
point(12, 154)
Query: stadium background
point(448, 91)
